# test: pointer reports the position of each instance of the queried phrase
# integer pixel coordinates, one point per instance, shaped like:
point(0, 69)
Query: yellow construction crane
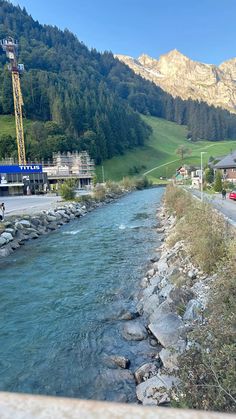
point(10, 46)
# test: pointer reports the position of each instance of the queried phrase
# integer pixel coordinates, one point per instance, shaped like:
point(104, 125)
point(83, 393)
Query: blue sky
point(204, 30)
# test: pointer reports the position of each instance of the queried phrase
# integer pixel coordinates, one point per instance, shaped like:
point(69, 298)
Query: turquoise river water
point(60, 299)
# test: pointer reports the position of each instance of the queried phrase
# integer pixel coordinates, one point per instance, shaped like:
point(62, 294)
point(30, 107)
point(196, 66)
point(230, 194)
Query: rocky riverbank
point(16, 230)
point(170, 303)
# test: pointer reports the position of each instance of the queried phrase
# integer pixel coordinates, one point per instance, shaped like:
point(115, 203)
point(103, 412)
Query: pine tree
point(218, 181)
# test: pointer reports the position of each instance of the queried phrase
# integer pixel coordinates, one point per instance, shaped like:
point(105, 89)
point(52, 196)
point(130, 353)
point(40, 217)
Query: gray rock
point(169, 356)
point(33, 236)
point(144, 283)
point(29, 230)
point(151, 304)
point(12, 231)
point(169, 359)
point(7, 236)
point(153, 342)
point(192, 275)
point(155, 387)
point(193, 311)
point(145, 371)
point(128, 315)
point(24, 223)
point(35, 221)
point(155, 280)
point(52, 226)
point(51, 218)
point(5, 251)
point(2, 240)
point(134, 330)
point(165, 291)
point(164, 308)
point(155, 258)
point(150, 273)
point(162, 266)
point(168, 330)
point(181, 295)
point(15, 244)
point(119, 361)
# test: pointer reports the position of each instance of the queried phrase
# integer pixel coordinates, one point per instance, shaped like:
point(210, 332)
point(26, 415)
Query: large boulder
point(151, 304)
point(163, 309)
point(193, 311)
point(134, 330)
point(145, 371)
point(155, 390)
point(169, 356)
point(2, 240)
point(5, 251)
point(168, 329)
point(7, 236)
point(24, 223)
point(181, 295)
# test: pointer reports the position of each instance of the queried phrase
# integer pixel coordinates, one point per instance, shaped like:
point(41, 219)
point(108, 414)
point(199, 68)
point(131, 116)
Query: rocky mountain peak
point(180, 76)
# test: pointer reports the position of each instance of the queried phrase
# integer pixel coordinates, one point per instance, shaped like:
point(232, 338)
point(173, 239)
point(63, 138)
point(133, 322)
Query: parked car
point(232, 195)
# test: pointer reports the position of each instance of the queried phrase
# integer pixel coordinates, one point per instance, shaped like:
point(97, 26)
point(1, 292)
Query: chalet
point(227, 165)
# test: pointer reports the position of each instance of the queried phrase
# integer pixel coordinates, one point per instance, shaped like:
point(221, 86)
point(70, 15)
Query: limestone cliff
point(180, 76)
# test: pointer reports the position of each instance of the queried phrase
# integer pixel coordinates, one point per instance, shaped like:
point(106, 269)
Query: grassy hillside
point(7, 125)
point(158, 155)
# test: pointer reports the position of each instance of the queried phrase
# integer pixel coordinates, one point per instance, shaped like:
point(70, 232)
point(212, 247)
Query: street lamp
point(202, 152)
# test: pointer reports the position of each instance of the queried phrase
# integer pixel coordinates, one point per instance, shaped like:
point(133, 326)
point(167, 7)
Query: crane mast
point(10, 46)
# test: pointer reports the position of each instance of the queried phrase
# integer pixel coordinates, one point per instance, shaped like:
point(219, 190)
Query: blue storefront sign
point(28, 168)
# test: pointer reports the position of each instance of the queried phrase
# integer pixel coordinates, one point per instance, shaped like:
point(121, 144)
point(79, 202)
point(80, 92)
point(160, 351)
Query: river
point(60, 297)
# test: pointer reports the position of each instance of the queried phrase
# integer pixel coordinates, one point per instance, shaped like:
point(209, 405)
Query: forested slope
point(82, 99)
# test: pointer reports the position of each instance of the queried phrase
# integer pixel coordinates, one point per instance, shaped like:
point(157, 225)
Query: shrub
point(207, 371)
point(143, 183)
point(204, 230)
point(128, 183)
point(67, 190)
point(99, 192)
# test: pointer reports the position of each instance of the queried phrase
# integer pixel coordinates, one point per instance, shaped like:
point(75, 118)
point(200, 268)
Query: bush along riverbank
point(186, 309)
point(16, 230)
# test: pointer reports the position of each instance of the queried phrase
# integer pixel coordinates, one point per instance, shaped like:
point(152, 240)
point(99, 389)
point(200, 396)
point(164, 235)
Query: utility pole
point(202, 152)
point(10, 46)
point(103, 176)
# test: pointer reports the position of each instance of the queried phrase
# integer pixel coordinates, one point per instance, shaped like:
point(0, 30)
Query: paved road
point(227, 207)
point(28, 204)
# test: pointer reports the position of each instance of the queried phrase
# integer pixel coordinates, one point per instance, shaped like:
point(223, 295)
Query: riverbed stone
point(7, 236)
point(24, 223)
point(128, 315)
point(51, 218)
point(164, 308)
point(15, 244)
point(2, 240)
point(146, 371)
point(165, 291)
point(168, 330)
point(12, 231)
point(119, 361)
point(134, 330)
point(155, 387)
point(5, 251)
point(151, 304)
point(162, 266)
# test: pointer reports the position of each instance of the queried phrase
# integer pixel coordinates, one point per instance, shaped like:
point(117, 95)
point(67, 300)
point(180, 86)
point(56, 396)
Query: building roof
point(227, 162)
